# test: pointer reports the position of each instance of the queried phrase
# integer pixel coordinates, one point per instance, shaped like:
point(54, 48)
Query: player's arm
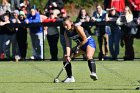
point(67, 45)
point(82, 34)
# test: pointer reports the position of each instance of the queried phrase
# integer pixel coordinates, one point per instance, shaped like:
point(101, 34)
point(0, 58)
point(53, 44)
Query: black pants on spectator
point(136, 14)
point(53, 41)
point(21, 36)
point(100, 35)
point(129, 50)
point(101, 42)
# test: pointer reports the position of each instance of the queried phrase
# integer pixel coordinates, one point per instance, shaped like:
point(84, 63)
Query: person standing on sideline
point(8, 34)
point(85, 45)
point(36, 34)
point(1, 40)
point(53, 37)
point(127, 38)
point(21, 36)
point(14, 43)
point(99, 16)
point(115, 32)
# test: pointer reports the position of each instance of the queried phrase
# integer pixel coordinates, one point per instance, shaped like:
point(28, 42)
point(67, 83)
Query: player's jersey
point(75, 36)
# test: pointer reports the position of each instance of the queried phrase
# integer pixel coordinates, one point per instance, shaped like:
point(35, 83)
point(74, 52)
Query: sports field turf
point(37, 77)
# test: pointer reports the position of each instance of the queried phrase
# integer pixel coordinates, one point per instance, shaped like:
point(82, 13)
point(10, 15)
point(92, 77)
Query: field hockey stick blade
point(56, 80)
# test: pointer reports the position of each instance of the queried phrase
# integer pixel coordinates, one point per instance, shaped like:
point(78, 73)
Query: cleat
point(69, 80)
point(93, 76)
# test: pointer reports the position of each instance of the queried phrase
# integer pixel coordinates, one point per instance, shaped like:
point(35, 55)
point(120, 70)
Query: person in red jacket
point(135, 6)
point(118, 4)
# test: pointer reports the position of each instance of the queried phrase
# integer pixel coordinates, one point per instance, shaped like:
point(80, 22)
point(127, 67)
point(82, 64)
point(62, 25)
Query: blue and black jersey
point(75, 36)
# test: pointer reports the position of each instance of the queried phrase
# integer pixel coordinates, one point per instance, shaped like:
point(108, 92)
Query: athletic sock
point(92, 65)
point(68, 69)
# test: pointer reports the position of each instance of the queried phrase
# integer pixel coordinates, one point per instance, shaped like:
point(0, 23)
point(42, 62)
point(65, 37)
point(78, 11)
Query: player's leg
point(91, 63)
point(68, 69)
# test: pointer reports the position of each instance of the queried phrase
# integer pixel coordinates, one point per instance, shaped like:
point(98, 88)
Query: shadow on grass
point(25, 82)
point(103, 89)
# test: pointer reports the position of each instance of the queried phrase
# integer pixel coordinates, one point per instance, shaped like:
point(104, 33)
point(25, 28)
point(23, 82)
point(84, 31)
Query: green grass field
point(37, 77)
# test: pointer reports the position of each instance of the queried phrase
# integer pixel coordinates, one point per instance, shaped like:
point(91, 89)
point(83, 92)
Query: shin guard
point(92, 65)
point(68, 69)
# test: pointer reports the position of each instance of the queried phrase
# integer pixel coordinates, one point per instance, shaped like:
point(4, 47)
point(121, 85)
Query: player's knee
point(89, 56)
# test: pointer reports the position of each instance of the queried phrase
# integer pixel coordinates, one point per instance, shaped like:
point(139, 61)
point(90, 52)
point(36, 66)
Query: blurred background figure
point(52, 37)
point(15, 4)
point(21, 36)
point(118, 4)
point(4, 6)
point(138, 32)
point(135, 7)
point(99, 16)
point(83, 16)
point(107, 4)
point(36, 34)
point(114, 32)
point(127, 38)
point(53, 5)
point(2, 33)
point(15, 19)
point(23, 8)
point(8, 32)
point(20, 5)
point(43, 17)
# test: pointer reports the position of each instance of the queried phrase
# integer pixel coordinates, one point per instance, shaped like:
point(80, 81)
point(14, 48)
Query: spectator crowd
point(120, 28)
